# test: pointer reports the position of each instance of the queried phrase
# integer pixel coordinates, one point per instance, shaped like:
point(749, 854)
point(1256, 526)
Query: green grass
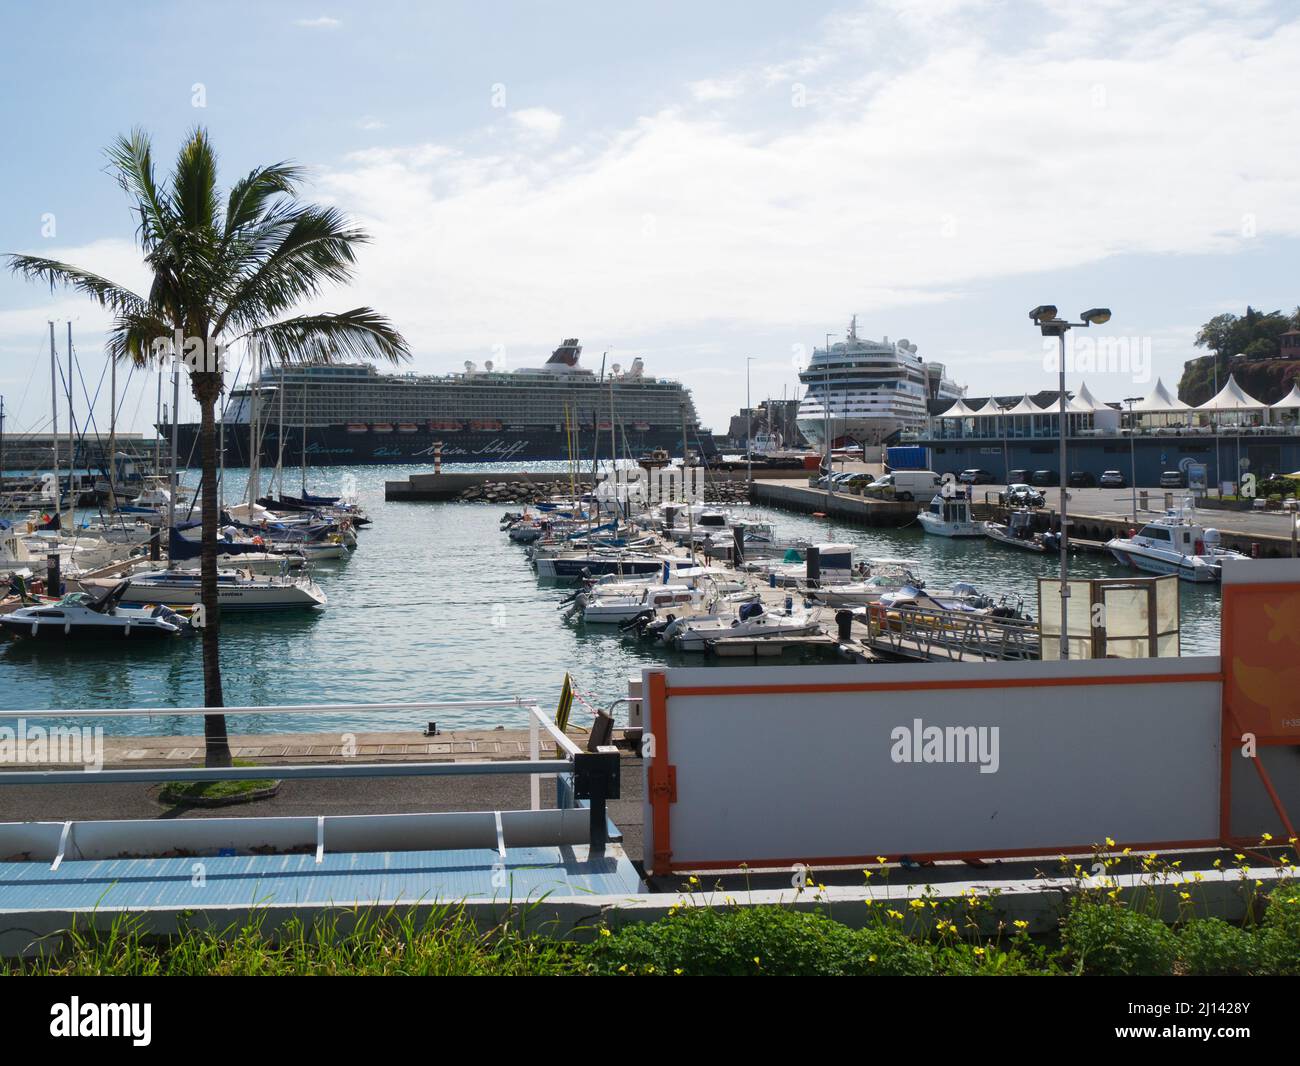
point(1097, 936)
point(176, 793)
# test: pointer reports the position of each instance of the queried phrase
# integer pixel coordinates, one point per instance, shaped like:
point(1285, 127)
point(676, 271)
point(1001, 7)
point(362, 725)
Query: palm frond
point(361, 333)
point(108, 293)
point(290, 259)
point(249, 196)
point(132, 159)
point(194, 183)
point(139, 337)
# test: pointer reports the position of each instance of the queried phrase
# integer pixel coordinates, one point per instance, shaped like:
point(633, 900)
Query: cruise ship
point(873, 389)
point(354, 414)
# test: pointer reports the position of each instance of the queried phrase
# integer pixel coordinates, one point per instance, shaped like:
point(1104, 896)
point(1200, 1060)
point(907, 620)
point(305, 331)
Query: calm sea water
point(437, 604)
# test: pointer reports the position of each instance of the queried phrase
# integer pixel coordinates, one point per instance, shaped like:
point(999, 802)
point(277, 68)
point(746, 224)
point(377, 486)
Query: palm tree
point(221, 274)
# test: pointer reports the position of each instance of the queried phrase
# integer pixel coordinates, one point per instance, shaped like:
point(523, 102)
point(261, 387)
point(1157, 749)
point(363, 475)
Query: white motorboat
point(237, 590)
point(1019, 531)
point(950, 516)
point(1174, 544)
point(962, 598)
point(883, 576)
point(751, 620)
point(614, 610)
point(82, 616)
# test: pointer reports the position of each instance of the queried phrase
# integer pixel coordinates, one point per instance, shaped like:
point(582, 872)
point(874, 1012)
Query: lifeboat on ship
point(357, 427)
point(489, 427)
point(407, 427)
point(382, 427)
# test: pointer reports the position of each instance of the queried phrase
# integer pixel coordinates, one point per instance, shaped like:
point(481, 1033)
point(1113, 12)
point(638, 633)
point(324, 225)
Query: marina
point(558, 492)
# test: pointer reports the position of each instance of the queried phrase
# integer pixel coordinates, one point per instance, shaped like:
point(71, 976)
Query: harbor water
point(438, 604)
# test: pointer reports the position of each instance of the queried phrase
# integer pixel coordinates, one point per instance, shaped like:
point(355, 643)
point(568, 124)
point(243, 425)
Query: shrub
point(1279, 938)
point(1210, 947)
point(702, 941)
point(1111, 940)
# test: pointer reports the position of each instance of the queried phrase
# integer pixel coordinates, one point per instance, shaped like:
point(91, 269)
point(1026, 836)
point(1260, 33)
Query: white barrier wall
point(775, 765)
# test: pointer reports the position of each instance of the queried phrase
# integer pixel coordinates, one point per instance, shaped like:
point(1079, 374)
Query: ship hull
point(339, 446)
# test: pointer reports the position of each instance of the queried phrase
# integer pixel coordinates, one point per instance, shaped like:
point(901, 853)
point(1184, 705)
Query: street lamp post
point(1044, 317)
point(1132, 454)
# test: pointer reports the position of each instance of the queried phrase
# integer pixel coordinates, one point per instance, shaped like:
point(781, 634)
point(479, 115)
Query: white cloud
point(321, 22)
point(539, 122)
point(713, 89)
point(371, 124)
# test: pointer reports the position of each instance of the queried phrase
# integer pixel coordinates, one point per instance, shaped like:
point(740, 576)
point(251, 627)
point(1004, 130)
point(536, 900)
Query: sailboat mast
point(171, 476)
point(54, 416)
point(254, 442)
point(72, 440)
point(303, 391)
point(157, 428)
point(112, 432)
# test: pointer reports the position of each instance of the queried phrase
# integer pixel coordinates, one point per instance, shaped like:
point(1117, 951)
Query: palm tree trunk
point(216, 743)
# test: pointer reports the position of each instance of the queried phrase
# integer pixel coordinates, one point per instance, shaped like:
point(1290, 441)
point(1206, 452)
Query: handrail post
point(596, 779)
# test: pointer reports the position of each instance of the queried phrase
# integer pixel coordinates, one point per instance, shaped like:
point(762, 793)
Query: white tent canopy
point(1160, 401)
point(1232, 397)
point(958, 410)
point(1026, 406)
point(1291, 399)
point(1082, 403)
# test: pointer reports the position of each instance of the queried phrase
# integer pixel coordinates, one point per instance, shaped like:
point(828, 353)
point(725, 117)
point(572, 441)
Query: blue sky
point(696, 183)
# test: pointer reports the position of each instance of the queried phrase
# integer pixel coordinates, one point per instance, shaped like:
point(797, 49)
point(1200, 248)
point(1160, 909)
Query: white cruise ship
point(873, 389)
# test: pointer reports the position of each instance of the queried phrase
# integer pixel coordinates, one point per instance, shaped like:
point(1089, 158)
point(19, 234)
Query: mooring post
point(596, 779)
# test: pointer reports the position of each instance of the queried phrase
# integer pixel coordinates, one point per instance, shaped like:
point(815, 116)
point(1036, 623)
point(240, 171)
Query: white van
point(905, 485)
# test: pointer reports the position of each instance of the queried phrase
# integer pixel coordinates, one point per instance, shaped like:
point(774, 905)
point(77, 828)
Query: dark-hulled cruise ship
point(353, 414)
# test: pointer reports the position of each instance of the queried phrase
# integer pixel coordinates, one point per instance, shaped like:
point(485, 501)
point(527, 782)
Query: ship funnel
point(637, 367)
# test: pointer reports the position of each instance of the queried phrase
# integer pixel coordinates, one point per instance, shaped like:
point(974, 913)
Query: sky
point(712, 186)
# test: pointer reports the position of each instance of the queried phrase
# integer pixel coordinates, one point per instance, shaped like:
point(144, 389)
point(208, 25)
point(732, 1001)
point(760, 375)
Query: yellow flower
point(1266, 837)
point(881, 859)
point(979, 951)
point(678, 970)
point(894, 914)
point(756, 961)
point(1185, 895)
point(693, 879)
point(1110, 842)
point(604, 932)
point(1020, 923)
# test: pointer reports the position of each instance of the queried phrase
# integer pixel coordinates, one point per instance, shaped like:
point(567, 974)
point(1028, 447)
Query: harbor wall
point(447, 486)
point(860, 510)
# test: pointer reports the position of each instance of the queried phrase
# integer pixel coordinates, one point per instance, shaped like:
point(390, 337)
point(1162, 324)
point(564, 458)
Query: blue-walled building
point(1230, 434)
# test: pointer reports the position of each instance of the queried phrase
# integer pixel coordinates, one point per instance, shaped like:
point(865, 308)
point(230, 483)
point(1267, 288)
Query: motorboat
point(1174, 544)
point(950, 516)
point(750, 620)
point(962, 598)
point(614, 610)
point(237, 590)
point(1020, 531)
point(86, 616)
point(882, 576)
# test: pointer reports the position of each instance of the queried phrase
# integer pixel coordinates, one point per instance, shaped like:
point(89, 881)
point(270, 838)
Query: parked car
point(1082, 479)
point(1019, 477)
point(1113, 479)
point(855, 482)
point(975, 476)
point(1172, 479)
point(1022, 495)
point(1044, 477)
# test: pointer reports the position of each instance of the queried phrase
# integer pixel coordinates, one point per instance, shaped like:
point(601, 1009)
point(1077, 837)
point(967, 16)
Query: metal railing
point(954, 636)
point(583, 779)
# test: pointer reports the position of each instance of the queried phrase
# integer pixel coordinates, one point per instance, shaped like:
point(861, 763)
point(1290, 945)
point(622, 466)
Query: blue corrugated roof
point(384, 877)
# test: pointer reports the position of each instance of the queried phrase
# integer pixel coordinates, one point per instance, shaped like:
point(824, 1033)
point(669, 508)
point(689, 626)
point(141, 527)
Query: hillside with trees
point(1254, 335)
